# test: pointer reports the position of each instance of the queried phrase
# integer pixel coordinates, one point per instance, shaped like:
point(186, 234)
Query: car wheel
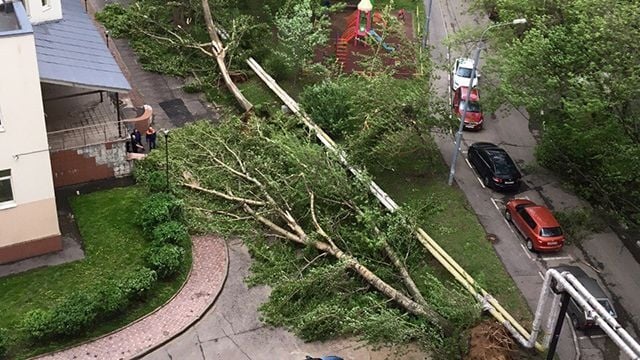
point(530, 246)
point(485, 181)
point(507, 215)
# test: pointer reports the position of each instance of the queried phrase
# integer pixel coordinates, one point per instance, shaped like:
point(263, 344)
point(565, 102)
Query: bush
point(74, 313)
point(4, 339)
point(37, 324)
point(278, 67)
point(171, 232)
point(157, 209)
point(165, 260)
point(330, 106)
point(138, 282)
point(112, 298)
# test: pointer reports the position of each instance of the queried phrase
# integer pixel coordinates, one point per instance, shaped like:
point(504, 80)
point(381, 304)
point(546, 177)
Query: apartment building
point(28, 215)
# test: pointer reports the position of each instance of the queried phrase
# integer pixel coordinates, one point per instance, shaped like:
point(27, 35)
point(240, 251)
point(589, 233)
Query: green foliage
point(137, 283)
point(79, 310)
point(302, 26)
point(585, 93)
point(330, 105)
point(579, 223)
point(157, 209)
point(4, 336)
point(171, 232)
point(37, 324)
point(165, 260)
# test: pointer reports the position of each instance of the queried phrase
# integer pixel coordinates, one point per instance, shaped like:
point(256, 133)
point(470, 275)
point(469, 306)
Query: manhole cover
point(492, 238)
point(176, 111)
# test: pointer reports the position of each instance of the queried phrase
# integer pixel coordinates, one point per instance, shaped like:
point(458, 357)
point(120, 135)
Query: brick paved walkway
point(208, 274)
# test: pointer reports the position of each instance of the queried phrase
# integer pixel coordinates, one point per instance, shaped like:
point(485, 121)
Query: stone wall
point(89, 163)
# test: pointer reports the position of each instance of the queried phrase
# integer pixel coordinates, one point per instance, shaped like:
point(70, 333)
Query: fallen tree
point(336, 238)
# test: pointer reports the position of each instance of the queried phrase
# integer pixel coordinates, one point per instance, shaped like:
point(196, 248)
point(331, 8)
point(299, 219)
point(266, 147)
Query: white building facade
point(28, 214)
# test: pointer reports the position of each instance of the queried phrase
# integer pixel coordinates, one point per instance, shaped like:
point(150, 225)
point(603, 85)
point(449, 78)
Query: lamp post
point(476, 58)
point(166, 151)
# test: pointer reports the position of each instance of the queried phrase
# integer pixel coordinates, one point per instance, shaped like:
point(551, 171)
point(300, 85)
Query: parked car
point(474, 118)
point(580, 318)
point(461, 73)
point(494, 166)
point(536, 223)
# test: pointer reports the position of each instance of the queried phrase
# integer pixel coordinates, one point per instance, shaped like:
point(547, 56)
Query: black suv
point(579, 317)
point(494, 166)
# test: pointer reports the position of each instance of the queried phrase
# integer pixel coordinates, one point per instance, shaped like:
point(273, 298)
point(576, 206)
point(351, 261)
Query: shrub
point(329, 105)
point(278, 67)
point(37, 324)
point(4, 339)
point(171, 232)
point(74, 313)
point(112, 298)
point(165, 260)
point(157, 209)
point(138, 282)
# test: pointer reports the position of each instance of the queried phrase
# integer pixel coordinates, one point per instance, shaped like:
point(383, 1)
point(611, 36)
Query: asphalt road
point(602, 256)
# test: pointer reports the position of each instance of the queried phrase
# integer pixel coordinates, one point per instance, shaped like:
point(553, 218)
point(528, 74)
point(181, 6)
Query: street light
point(166, 151)
point(452, 171)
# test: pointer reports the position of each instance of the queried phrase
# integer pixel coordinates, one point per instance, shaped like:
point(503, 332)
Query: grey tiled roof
point(72, 52)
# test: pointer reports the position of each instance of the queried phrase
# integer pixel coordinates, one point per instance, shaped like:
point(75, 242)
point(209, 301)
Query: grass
point(444, 213)
point(113, 245)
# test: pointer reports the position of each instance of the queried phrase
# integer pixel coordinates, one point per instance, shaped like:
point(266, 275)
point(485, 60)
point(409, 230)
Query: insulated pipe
point(466, 278)
point(580, 299)
point(537, 318)
point(603, 313)
point(551, 319)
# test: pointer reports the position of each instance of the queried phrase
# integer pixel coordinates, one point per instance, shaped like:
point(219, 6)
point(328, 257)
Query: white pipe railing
point(567, 282)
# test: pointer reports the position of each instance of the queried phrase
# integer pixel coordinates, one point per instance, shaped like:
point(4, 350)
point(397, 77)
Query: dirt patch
point(491, 341)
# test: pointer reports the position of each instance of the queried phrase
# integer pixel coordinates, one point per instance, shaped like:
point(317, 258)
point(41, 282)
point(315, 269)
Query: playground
point(361, 24)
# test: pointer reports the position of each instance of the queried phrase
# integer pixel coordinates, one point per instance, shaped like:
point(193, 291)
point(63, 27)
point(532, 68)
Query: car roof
point(542, 216)
point(465, 62)
point(464, 92)
point(588, 282)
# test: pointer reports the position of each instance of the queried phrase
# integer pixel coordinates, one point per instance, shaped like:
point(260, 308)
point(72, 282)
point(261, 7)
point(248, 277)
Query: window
point(527, 218)
point(6, 193)
point(550, 232)
point(45, 3)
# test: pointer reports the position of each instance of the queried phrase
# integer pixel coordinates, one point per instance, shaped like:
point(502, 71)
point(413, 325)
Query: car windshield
point(473, 106)
point(504, 164)
point(551, 232)
point(607, 306)
point(464, 72)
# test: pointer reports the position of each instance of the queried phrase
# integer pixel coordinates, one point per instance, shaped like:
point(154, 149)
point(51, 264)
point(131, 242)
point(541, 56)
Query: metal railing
point(94, 134)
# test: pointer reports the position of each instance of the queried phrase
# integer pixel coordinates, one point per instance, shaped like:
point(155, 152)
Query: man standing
point(150, 136)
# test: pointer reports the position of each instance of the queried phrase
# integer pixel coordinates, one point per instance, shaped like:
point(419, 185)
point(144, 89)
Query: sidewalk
point(172, 106)
point(208, 275)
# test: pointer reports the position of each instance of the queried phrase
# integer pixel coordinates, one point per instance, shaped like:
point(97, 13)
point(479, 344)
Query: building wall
point(90, 163)
point(43, 10)
point(31, 216)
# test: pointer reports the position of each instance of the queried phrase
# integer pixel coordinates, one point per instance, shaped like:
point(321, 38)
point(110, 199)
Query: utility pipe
point(553, 316)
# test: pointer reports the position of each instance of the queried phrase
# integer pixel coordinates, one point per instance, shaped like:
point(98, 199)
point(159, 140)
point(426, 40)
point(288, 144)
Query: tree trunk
point(219, 52)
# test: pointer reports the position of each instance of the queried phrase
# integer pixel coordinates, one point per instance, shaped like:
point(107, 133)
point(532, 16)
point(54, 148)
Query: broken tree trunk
point(219, 53)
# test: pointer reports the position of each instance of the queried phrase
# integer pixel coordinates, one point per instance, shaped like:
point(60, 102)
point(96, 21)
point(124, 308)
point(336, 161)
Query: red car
point(474, 118)
point(536, 223)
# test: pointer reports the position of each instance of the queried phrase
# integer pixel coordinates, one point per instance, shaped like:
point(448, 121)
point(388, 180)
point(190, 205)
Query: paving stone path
point(208, 274)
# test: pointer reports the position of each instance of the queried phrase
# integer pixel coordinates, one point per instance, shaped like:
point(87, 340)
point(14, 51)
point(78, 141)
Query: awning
point(71, 52)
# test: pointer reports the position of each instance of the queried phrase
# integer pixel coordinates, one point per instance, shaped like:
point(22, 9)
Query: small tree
point(301, 28)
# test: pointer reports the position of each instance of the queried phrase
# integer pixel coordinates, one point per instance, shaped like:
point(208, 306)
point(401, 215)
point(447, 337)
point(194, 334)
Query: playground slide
point(378, 38)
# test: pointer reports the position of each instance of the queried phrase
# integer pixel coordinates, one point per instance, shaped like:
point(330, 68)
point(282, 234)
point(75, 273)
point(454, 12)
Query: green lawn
point(443, 212)
point(113, 245)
